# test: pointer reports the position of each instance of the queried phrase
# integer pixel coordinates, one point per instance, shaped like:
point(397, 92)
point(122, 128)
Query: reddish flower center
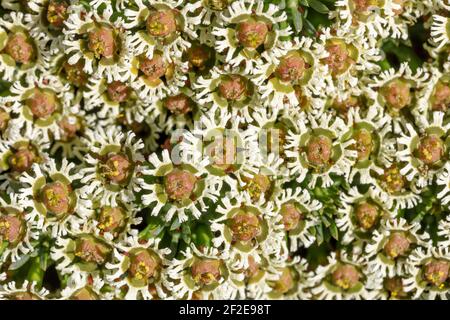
point(395, 287)
point(179, 184)
point(4, 119)
point(69, 126)
point(111, 219)
point(397, 245)
point(251, 34)
point(392, 180)
point(291, 68)
point(253, 268)
point(75, 73)
point(179, 104)
point(19, 48)
point(339, 58)
point(345, 276)
point(206, 271)
point(258, 185)
point(101, 42)
point(57, 13)
point(363, 143)
point(441, 97)
point(233, 87)
point(85, 293)
point(42, 103)
point(431, 149)
point(366, 215)
point(153, 68)
point(117, 168)
point(245, 226)
point(223, 152)
point(285, 282)
point(55, 197)
point(397, 94)
point(198, 56)
point(88, 249)
point(118, 91)
point(11, 229)
point(161, 23)
point(436, 272)
point(22, 159)
point(319, 151)
point(143, 265)
point(291, 216)
point(343, 106)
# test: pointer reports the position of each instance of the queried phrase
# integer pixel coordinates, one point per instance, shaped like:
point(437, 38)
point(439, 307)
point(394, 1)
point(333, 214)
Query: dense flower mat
point(220, 149)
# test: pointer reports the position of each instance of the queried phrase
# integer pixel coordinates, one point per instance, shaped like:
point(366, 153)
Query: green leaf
point(174, 243)
point(186, 233)
point(175, 224)
point(325, 221)
point(334, 231)
point(19, 263)
point(297, 20)
point(319, 235)
point(318, 6)
point(294, 15)
point(44, 260)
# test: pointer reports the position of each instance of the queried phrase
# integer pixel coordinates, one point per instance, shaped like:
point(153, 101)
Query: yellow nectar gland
point(112, 171)
point(156, 27)
point(106, 224)
point(142, 270)
point(343, 283)
point(52, 198)
point(435, 278)
point(5, 224)
point(201, 277)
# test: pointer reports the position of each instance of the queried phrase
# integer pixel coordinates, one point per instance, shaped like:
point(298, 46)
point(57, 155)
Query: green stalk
point(384, 64)
point(35, 272)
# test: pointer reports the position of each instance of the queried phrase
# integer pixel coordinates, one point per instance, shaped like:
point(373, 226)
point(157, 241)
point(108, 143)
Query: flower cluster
point(208, 149)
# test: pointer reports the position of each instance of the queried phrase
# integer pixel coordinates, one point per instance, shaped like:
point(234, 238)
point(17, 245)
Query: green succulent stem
point(35, 272)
